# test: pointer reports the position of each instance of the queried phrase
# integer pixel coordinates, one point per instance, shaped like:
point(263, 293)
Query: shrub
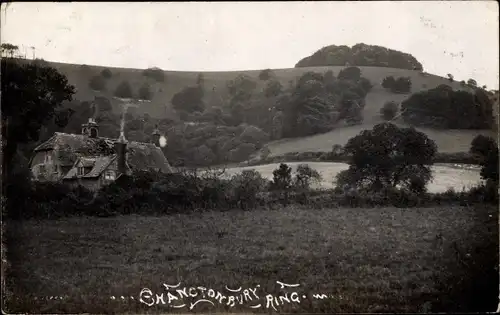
point(402, 85)
point(154, 73)
point(349, 73)
point(97, 83)
point(305, 176)
point(265, 75)
point(246, 188)
point(388, 82)
point(124, 90)
point(106, 73)
point(282, 181)
point(389, 110)
point(144, 92)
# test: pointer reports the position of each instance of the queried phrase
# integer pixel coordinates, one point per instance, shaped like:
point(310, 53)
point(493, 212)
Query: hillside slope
point(216, 93)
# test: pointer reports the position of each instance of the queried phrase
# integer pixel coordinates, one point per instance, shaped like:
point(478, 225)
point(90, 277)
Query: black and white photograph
point(240, 157)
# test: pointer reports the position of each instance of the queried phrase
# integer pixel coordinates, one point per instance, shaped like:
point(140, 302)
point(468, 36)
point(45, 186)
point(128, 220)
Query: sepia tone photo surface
point(250, 157)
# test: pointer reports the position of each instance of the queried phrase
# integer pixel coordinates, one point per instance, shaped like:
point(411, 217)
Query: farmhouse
point(92, 161)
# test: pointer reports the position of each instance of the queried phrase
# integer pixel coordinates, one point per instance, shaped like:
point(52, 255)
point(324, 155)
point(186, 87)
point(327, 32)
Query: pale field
point(445, 176)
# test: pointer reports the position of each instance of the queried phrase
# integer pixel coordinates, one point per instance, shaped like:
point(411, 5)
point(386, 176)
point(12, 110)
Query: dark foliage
point(442, 107)
point(41, 91)
point(154, 73)
point(266, 74)
point(360, 55)
point(124, 90)
point(189, 100)
point(106, 73)
point(388, 156)
point(144, 92)
point(97, 83)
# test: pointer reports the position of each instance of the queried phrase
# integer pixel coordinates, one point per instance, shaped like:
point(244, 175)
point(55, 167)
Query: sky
point(457, 37)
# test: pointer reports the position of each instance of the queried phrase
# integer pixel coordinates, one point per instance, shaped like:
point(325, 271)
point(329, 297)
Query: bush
point(106, 73)
point(144, 92)
point(282, 182)
point(399, 85)
point(124, 90)
point(154, 73)
point(265, 75)
point(389, 110)
point(305, 176)
point(388, 82)
point(349, 73)
point(97, 83)
point(246, 188)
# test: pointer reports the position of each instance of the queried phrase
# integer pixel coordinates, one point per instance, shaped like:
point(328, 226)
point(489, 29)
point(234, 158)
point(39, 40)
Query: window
point(48, 157)
point(81, 172)
point(109, 175)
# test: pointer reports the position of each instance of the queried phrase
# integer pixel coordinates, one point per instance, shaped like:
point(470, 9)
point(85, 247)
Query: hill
point(216, 94)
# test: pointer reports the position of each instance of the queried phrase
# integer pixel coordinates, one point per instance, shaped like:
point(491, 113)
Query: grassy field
point(364, 260)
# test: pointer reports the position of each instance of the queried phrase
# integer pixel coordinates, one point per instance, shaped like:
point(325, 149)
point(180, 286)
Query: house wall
point(44, 166)
point(89, 183)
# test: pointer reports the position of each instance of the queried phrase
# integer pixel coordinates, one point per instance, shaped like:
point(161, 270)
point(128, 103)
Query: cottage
point(92, 161)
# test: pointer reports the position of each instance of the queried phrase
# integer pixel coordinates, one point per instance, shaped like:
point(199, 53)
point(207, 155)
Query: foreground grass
point(365, 260)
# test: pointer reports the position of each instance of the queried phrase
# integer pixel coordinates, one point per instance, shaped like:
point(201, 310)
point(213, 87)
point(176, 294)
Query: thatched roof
point(70, 147)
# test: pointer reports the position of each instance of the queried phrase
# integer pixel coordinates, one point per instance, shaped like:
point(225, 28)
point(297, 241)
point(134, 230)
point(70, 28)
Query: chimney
point(121, 153)
point(90, 129)
point(155, 136)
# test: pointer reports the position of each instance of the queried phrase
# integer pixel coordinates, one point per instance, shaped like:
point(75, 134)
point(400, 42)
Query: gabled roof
point(69, 147)
point(98, 164)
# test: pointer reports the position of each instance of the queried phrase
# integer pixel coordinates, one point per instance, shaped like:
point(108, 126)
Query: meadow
point(364, 260)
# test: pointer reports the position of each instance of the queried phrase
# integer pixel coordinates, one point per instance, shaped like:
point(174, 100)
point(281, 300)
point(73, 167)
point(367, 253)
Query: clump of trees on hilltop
point(360, 55)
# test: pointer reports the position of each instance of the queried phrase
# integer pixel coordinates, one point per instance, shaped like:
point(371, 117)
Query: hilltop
point(360, 55)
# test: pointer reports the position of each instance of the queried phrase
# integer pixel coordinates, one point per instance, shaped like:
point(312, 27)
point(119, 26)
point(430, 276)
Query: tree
point(200, 79)
point(106, 73)
point(305, 176)
point(282, 181)
point(472, 82)
point(103, 104)
point(124, 90)
point(401, 85)
point(349, 73)
point(450, 77)
point(445, 108)
point(144, 92)
point(388, 82)
point(389, 110)
point(247, 185)
point(156, 74)
point(9, 50)
point(273, 88)
point(489, 167)
point(97, 83)
point(265, 75)
point(388, 156)
point(189, 100)
point(360, 55)
point(31, 96)
point(241, 88)
point(481, 146)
